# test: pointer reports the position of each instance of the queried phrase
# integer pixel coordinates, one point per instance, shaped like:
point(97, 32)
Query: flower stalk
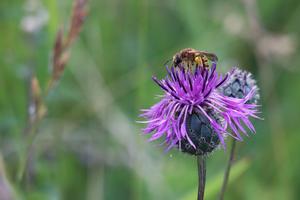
point(227, 171)
point(37, 109)
point(201, 176)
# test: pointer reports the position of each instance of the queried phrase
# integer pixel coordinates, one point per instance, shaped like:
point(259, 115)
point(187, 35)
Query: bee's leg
point(188, 65)
point(191, 66)
point(205, 62)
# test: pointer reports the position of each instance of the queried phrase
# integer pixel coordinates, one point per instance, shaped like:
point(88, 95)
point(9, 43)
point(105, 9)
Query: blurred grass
point(89, 146)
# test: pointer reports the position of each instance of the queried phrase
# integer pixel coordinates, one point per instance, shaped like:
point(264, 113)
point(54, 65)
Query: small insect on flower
point(191, 57)
point(193, 115)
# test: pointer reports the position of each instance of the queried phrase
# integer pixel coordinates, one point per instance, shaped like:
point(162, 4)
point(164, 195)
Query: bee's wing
point(210, 56)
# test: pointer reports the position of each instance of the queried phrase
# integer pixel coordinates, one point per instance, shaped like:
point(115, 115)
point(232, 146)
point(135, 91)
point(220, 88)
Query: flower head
point(239, 84)
point(193, 114)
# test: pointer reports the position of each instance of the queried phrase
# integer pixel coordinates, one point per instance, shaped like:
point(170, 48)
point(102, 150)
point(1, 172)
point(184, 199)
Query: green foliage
point(89, 146)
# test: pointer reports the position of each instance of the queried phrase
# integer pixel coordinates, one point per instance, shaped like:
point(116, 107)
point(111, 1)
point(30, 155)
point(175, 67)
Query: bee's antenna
point(165, 64)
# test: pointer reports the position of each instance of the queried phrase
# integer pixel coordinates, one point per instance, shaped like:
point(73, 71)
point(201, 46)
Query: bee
point(192, 57)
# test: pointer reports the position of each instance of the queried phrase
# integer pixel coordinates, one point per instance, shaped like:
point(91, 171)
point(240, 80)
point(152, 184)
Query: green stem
point(201, 176)
point(227, 171)
point(27, 152)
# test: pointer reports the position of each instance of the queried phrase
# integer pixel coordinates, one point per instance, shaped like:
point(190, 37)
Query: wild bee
point(190, 57)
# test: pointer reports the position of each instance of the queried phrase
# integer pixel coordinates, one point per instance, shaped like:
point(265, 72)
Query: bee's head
point(176, 60)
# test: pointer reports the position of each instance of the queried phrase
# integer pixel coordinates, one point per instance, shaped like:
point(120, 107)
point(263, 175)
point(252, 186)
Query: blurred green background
point(89, 145)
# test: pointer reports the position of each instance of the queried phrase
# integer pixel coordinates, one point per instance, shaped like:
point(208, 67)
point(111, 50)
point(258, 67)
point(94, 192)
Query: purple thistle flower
point(193, 106)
